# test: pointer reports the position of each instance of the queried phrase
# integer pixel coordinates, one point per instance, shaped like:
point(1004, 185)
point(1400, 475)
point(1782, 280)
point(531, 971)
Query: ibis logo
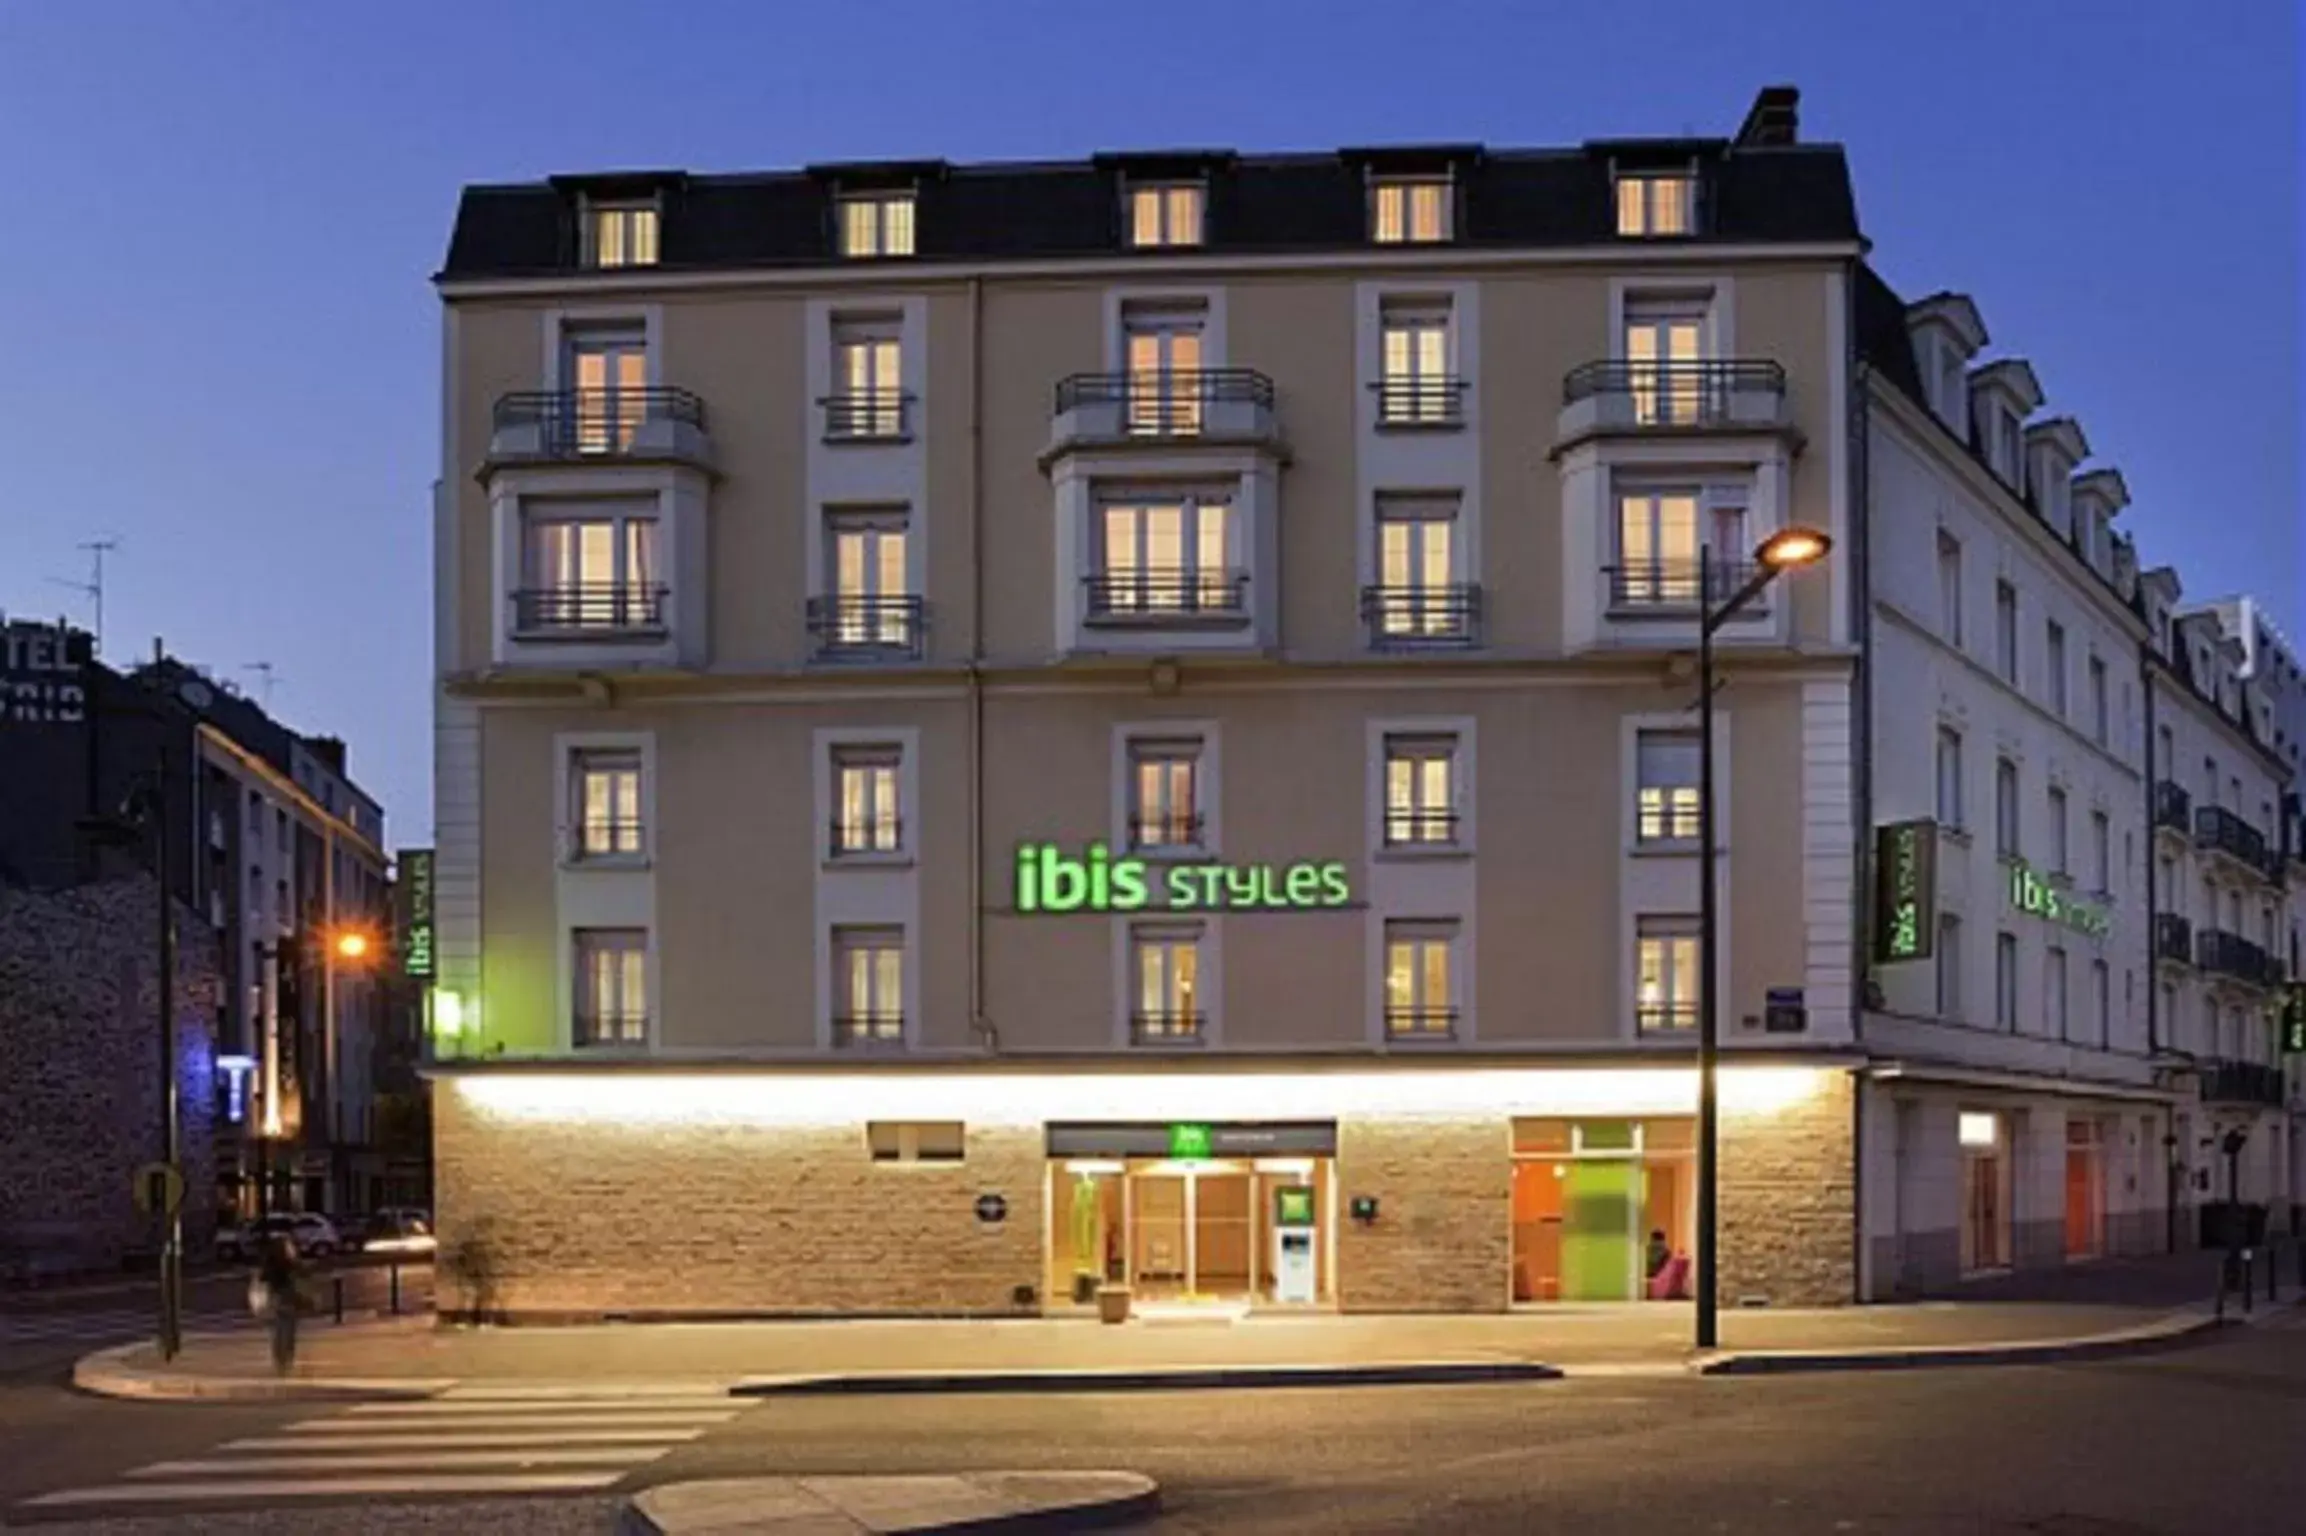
point(1050, 880)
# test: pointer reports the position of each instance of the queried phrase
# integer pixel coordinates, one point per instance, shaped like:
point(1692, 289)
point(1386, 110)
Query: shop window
point(916, 1141)
point(1602, 1209)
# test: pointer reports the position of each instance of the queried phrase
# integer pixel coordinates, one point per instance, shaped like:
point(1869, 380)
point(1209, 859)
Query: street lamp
point(1787, 549)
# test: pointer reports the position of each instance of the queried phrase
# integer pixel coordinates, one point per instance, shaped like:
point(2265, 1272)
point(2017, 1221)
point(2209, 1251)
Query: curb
point(1052, 1502)
point(107, 1373)
point(1187, 1379)
point(2136, 1341)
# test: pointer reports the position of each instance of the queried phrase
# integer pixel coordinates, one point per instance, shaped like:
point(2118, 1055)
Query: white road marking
point(519, 1456)
point(334, 1487)
point(444, 1408)
point(451, 1441)
point(544, 1424)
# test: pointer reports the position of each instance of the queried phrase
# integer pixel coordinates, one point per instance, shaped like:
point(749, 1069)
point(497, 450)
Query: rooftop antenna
point(266, 677)
point(93, 588)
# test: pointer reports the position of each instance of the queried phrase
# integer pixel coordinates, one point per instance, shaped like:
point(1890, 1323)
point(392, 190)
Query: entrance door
point(1598, 1239)
point(1159, 1232)
point(2085, 1191)
point(1191, 1231)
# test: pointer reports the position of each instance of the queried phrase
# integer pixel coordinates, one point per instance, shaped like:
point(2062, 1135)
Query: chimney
point(329, 749)
point(1774, 118)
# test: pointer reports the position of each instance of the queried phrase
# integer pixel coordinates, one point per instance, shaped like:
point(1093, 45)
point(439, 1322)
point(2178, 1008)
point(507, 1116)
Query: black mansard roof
point(1759, 188)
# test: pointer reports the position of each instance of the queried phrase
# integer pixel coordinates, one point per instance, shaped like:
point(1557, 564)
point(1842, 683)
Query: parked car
point(399, 1233)
point(314, 1234)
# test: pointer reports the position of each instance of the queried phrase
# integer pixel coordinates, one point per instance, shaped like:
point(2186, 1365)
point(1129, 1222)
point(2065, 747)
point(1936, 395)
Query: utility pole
point(171, 1109)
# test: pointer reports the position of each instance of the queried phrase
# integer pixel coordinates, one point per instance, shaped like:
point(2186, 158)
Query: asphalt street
point(2203, 1439)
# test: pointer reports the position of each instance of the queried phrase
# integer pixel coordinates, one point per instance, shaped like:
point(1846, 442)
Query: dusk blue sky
point(218, 222)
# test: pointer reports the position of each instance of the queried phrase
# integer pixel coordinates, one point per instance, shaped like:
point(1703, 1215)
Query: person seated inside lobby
point(1668, 1270)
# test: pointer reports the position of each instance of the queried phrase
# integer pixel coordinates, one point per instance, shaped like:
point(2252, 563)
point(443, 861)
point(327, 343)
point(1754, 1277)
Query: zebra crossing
point(468, 1440)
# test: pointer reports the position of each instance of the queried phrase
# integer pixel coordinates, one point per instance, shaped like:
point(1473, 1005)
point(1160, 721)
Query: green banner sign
point(414, 893)
point(2294, 1020)
point(1905, 891)
point(1049, 880)
point(2032, 894)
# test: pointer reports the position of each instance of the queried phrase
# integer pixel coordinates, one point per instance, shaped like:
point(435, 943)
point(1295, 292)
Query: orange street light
point(351, 944)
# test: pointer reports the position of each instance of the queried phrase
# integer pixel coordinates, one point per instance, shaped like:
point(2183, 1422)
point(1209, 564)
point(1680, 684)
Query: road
point(2197, 1440)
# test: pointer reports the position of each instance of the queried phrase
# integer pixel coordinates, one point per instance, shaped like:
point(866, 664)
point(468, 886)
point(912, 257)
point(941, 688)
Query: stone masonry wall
point(580, 1217)
point(78, 1041)
point(1443, 1234)
point(1789, 1199)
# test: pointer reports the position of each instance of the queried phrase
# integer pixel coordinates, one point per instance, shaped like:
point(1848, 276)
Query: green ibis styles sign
point(1905, 891)
point(1051, 880)
point(2034, 895)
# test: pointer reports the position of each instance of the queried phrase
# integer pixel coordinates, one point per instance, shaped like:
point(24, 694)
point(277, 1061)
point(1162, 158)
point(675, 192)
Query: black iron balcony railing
point(611, 1028)
point(2173, 938)
point(2173, 807)
point(1167, 596)
point(1420, 402)
point(1166, 402)
point(1167, 1026)
point(608, 838)
point(856, 626)
point(589, 609)
point(1671, 586)
point(1429, 827)
point(581, 423)
point(1181, 829)
point(867, 835)
point(1677, 394)
point(873, 1026)
point(2242, 1082)
point(868, 416)
point(2229, 954)
point(1408, 618)
point(2221, 831)
point(1420, 1023)
point(1665, 1018)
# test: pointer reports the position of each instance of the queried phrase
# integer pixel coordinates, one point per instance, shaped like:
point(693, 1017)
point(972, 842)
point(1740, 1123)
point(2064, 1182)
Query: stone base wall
point(1442, 1240)
point(79, 1048)
point(577, 1218)
point(1789, 1199)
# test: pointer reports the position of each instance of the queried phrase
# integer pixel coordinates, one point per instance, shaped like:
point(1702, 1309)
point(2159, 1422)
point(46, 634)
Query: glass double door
point(1177, 1230)
point(1192, 1232)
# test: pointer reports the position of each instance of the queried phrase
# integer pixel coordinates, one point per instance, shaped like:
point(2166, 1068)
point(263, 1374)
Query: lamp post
point(1785, 550)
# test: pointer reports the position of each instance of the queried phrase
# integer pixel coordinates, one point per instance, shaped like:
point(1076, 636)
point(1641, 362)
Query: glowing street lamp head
point(352, 945)
point(1791, 547)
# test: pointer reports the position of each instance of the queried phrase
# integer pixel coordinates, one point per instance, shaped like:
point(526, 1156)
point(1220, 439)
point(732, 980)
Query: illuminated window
point(1656, 204)
point(916, 1141)
point(621, 234)
point(866, 812)
point(612, 998)
point(1415, 386)
point(585, 571)
point(606, 789)
point(1420, 989)
point(606, 380)
point(873, 608)
point(1417, 570)
point(876, 224)
point(1166, 386)
point(1659, 532)
point(1664, 342)
point(1409, 211)
point(1165, 215)
point(1978, 1129)
point(1666, 792)
point(1164, 794)
point(869, 986)
point(1165, 966)
point(868, 399)
point(1421, 797)
point(1167, 559)
point(1665, 962)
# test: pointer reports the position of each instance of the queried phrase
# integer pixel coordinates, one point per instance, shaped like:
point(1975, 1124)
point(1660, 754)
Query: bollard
point(395, 1288)
point(339, 1288)
point(2249, 1281)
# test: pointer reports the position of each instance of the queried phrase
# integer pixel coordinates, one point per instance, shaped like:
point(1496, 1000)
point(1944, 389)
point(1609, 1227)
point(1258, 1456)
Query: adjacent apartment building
point(1006, 730)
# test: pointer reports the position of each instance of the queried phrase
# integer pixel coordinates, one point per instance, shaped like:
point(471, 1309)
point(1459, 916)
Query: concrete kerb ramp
point(1010, 1503)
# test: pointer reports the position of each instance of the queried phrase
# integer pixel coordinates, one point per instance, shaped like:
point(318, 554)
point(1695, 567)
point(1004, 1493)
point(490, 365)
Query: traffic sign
point(158, 1188)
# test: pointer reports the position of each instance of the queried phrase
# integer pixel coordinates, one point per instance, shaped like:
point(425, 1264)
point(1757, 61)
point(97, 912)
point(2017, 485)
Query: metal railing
point(1665, 1018)
point(611, 839)
point(1167, 595)
point(2173, 938)
point(1445, 614)
point(1420, 1023)
point(2229, 954)
point(1420, 402)
point(1179, 830)
point(2221, 831)
point(867, 835)
point(1430, 827)
point(612, 1028)
point(1167, 1026)
point(588, 608)
point(582, 423)
point(868, 416)
point(1676, 394)
point(874, 1026)
point(1165, 402)
point(2173, 807)
point(2242, 1082)
point(856, 626)
point(1673, 585)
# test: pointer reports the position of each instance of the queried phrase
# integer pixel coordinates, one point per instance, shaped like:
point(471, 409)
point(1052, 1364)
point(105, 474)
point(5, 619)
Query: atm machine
point(1293, 1232)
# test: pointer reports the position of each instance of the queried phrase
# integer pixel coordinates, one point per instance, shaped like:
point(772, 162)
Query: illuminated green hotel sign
point(2034, 895)
point(1050, 880)
point(1905, 891)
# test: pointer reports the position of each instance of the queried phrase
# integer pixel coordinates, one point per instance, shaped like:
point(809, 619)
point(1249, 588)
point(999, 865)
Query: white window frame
point(1661, 395)
point(1165, 829)
point(1415, 1015)
point(1394, 205)
point(875, 1010)
point(1168, 939)
point(611, 762)
point(2059, 809)
point(880, 618)
point(872, 767)
point(1674, 937)
point(1421, 825)
point(1949, 966)
point(1666, 821)
point(636, 1029)
point(622, 232)
point(1952, 792)
point(2054, 665)
point(1165, 398)
point(890, 227)
point(1172, 202)
point(1416, 388)
point(867, 371)
point(629, 522)
point(2006, 617)
point(2009, 817)
point(1669, 581)
point(2005, 980)
point(1419, 607)
point(1212, 591)
point(1950, 588)
point(1656, 204)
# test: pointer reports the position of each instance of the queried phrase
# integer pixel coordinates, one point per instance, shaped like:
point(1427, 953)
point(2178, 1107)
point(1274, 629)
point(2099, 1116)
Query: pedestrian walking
point(277, 1296)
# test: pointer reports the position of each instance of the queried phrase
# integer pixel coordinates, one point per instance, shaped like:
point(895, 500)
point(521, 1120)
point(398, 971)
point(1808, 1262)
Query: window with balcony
point(1659, 532)
point(2054, 1014)
point(2098, 731)
point(868, 813)
point(876, 224)
point(1420, 981)
point(1167, 560)
point(2006, 632)
point(1665, 963)
point(2054, 665)
point(869, 986)
point(1166, 1006)
point(1420, 597)
point(620, 234)
point(1950, 779)
point(1165, 216)
point(1421, 795)
point(1165, 794)
point(1412, 210)
point(1166, 388)
point(1665, 348)
point(1950, 588)
point(2058, 817)
point(868, 608)
point(1665, 788)
point(2101, 852)
point(1416, 384)
point(868, 399)
point(611, 990)
point(1656, 204)
point(606, 792)
point(2006, 808)
point(2006, 980)
point(1949, 966)
point(588, 569)
point(606, 382)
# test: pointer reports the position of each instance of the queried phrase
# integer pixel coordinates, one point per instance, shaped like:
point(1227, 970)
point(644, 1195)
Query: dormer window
point(1410, 210)
point(876, 224)
point(1654, 203)
point(1165, 215)
point(621, 234)
point(2007, 456)
point(1953, 382)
